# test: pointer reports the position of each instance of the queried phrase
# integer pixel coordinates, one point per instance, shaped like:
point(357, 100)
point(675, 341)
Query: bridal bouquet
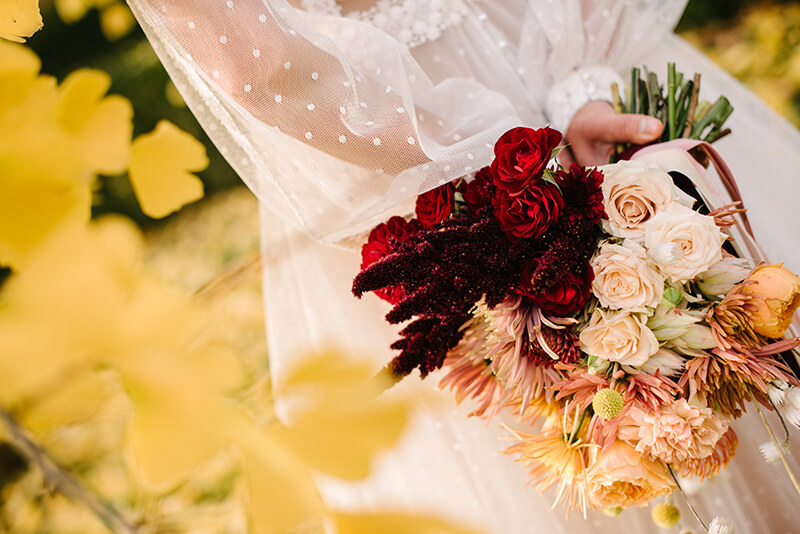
point(600, 306)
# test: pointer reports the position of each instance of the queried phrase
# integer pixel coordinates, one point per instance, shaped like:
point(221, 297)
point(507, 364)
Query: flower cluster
point(596, 303)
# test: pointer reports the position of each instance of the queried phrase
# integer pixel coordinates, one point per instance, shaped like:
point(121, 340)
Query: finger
point(629, 128)
point(565, 156)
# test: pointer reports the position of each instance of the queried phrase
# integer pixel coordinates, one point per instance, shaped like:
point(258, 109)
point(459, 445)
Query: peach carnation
point(676, 433)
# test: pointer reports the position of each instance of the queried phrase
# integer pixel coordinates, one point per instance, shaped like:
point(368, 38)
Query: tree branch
point(59, 479)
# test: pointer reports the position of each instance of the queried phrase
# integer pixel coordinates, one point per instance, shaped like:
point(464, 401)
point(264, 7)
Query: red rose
point(436, 205)
point(382, 241)
point(475, 192)
point(520, 157)
point(531, 213)
point(566, 296)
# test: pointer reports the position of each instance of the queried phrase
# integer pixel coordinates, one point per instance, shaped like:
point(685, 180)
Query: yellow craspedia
point(607, 403)
point(613, 511)
point(666, 515)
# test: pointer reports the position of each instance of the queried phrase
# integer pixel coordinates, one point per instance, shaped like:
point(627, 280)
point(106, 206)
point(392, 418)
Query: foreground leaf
point(396, 523)
point(346, 420)
point(19, 19)
point(160, 167)
point(101, 126)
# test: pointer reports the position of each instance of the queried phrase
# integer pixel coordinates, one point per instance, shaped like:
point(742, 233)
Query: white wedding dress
point(338, 114)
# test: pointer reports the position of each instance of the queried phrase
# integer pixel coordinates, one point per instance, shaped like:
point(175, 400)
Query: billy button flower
point(665, 515)
point(607, 403)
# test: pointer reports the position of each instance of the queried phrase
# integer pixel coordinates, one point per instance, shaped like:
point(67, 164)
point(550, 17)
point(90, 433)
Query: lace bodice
point(412, 22)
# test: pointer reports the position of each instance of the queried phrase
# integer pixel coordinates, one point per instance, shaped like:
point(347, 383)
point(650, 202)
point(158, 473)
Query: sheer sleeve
point(335, 121)
point(583, 45)
point(321, 115)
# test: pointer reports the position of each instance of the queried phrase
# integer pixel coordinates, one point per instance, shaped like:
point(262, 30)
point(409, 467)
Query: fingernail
point(649, 126)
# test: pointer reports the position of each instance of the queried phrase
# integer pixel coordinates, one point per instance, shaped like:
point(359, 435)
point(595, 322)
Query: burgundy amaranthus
point(480, 253)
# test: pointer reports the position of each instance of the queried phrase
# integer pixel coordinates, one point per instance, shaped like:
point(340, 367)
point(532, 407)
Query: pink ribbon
point(725, 174)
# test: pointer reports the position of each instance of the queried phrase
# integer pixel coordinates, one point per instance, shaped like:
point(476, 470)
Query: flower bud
point(720, 525)
point(722, 276)
point(669, 323)
point(778, 296)
point(672, 297)
point(699, 337)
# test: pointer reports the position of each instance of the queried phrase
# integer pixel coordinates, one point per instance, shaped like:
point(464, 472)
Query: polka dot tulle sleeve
point(336, 113)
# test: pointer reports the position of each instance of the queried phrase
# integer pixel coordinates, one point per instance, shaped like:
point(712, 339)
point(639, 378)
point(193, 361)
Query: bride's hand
point(596, 127)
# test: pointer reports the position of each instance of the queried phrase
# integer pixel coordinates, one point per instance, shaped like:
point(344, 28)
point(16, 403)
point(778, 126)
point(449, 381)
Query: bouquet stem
point(686, 498)
point(777, 445)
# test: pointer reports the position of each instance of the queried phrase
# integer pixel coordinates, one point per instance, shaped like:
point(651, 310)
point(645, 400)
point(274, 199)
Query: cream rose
point(633, 193)
point(620, 476)
point(624, 279)
point(677, 433)
point(683, 243)
point(619, 337)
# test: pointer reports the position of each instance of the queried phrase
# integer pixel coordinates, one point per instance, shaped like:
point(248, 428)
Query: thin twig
point(229, 276)
point(775, 442)
point(686, 498)
point(58, 479)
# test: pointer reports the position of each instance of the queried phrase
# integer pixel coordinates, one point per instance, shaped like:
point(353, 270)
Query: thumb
point(630, 128)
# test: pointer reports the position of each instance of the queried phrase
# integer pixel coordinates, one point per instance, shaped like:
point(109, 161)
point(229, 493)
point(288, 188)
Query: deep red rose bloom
point(382, 241)
point(435, 205)
point(566, 296)
point(520, 157)
point(531, 213)
point(582, 192)
point(476, 192)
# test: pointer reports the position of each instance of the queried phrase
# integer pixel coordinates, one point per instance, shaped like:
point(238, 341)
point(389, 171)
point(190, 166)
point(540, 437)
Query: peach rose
point(683, 243)
point(677, 433)
point(623, 278)
point(633, 193)
point(619, 337)
point(620, 476)
point(778, 292)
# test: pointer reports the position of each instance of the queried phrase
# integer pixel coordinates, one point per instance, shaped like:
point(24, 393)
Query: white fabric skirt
point(450, 465)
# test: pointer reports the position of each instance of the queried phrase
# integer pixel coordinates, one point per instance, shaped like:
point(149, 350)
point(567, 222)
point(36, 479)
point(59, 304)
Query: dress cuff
point(570, 94)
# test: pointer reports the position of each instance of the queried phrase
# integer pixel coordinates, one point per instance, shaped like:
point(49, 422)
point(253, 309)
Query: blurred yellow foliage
point(19, 19)
point(396, 524)
point(116, 21)
point(56, 139)
point(762, 49)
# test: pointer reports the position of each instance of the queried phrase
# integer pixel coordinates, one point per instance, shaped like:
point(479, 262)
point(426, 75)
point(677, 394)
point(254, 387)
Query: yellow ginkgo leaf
point(283, 494)
point(18, 58)
point(19, 19)
point(63, 313)
point(74, 397)
point(345, 420)
point(396, 523)
point(101, 127)
point(160, 167)
point(178, 421)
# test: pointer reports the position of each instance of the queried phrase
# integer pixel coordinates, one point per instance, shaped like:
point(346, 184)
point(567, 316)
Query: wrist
point(573, 92)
